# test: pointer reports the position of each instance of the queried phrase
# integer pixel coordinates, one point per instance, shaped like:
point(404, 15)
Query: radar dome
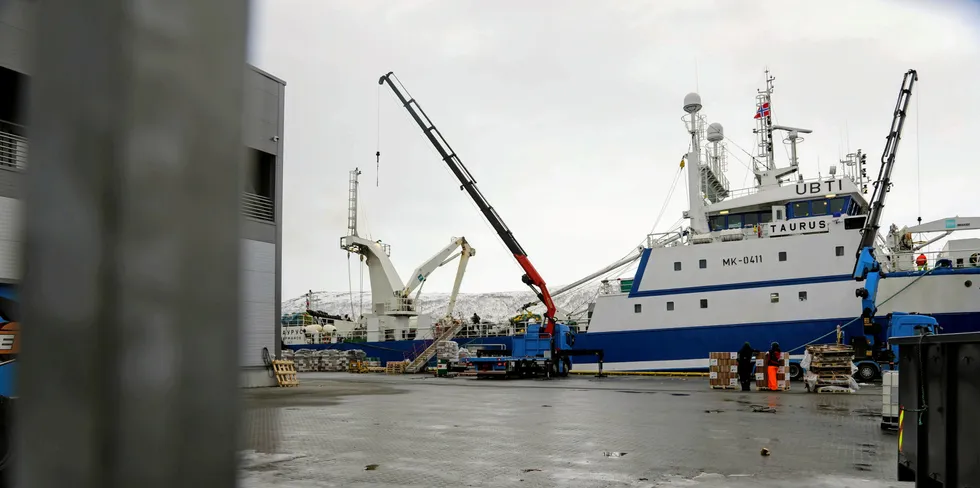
point(716, 133)
point(329, 330)
point(692, 103)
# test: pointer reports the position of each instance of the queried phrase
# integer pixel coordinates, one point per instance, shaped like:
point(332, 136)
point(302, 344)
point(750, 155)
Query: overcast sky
point(567, 113)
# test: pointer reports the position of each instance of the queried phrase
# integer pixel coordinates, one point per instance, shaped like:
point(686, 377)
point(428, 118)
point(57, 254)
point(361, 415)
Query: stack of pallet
point(395, 367)
point(723, 370)
point(830, 368)
point(762, 369)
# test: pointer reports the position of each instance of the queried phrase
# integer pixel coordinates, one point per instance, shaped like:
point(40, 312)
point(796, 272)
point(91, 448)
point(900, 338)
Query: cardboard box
point(713, 362)
point(713, 375)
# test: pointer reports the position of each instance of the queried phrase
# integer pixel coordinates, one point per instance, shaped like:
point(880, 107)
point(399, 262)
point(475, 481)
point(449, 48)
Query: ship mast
point(699, 220)
point(763, 129)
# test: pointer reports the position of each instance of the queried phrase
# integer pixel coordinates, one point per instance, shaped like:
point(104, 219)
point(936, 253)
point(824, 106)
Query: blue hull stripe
point(697, 342)
point(935, 272)
point(681, 343)
point(636, 292)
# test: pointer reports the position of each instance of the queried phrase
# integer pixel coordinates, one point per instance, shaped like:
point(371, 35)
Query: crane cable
point(899, 292)
point(377, 153)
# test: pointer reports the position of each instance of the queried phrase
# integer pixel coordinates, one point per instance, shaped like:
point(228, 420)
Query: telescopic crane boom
point(867, 265)
point(531, 276)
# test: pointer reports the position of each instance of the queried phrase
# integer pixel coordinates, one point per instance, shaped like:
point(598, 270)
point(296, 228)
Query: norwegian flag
point(763, 111)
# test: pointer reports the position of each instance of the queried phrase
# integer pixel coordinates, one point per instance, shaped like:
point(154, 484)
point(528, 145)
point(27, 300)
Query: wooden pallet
point(726, 387)
point(285, 372)
point(395, 367)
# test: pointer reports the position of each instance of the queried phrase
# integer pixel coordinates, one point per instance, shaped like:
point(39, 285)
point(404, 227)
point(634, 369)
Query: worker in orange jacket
point(773, 362)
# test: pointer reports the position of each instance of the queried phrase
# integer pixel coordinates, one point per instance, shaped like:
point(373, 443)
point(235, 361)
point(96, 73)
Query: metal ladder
point(422, 359)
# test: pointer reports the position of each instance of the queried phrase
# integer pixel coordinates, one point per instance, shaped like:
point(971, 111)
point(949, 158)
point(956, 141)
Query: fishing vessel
point(773, 262)
point(768, 263)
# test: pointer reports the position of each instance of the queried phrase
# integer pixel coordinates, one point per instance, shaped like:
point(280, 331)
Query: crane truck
point(544, 349)
point(872, 352)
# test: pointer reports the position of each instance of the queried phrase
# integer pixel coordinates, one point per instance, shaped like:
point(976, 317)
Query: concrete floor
point(576, 432)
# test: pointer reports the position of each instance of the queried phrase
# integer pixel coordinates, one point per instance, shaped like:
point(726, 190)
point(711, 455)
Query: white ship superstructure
point(769, 263)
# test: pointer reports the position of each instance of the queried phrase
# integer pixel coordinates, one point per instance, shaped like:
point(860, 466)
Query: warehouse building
point(261, 239)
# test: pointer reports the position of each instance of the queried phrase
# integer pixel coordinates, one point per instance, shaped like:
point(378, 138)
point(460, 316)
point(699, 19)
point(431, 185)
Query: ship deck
point(339, 429)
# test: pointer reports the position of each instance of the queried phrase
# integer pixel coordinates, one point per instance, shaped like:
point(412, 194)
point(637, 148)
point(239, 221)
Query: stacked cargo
point(464, 353)
point(762, 369)
point(447, 350)
point(723, 370)
point(830, 368)
point(356, 355)
point(332, 360)
point(889, 400)
point(306, 360)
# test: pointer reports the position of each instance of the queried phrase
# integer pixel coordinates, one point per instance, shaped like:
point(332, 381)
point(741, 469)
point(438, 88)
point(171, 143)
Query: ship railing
point(13, 146)
point(895, 261)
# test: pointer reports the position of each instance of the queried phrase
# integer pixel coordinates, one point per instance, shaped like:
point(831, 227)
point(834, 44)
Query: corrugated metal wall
point(258, 289)
point(10, 239)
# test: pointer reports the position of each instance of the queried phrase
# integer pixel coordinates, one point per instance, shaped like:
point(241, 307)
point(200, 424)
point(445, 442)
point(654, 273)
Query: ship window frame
point(839, 251)
point(802, 295)
point(845, 205)
point(730, 225)
point(825, 210)
point(703, 263)
point(704, 303)
point(774, 297)
point(677, 265)
point(670, 306)
point(782, 256)
point(637, 307)
point(718, 223)
point(801, 205)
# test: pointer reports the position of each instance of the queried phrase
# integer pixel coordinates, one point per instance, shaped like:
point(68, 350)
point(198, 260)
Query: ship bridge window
point(637, 308)
point(801, 209)
point(670, 306)
point(738, 221)
point(704, 303)
point(677, 265)
point(717, 223)
point(839, 250)
point(819, 207)
point(838, 205)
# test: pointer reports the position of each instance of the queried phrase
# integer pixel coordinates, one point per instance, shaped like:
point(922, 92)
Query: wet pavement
point(338, 429)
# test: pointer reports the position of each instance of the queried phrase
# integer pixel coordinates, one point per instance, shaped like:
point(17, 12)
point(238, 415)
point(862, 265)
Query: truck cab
point(873, 353)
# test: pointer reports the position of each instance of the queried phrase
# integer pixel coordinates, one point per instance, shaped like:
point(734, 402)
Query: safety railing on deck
point(911, 261)
point(13, 147)
point(258, 207)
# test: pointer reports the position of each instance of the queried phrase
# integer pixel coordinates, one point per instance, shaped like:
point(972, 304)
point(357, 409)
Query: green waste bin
point(442, 368)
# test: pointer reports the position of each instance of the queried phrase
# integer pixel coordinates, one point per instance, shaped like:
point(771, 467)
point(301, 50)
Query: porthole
point(968, 283)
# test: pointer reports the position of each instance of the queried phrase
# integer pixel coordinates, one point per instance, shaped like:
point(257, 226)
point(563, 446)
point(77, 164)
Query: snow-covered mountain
point(491, 307)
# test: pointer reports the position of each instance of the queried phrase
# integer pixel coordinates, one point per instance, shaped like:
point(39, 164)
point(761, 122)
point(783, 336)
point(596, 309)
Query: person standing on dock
point(746, 359)
point(773, 361)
